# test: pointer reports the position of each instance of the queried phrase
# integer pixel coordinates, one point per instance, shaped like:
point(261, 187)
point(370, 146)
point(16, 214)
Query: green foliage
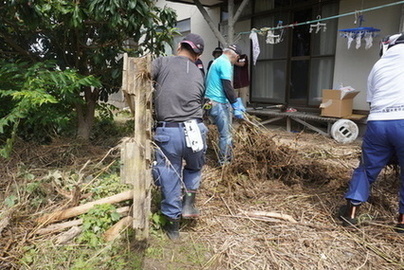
point(115, 255)
point(37, 190)
point(41, 96)
point(10, 201)
point(158, 220)
point(106, 129)
point(108, 185)
point(87, 36)
point(96, 222)
point(29, 255)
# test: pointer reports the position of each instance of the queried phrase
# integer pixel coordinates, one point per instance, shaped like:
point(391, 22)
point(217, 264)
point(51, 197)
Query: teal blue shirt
point(221, 69)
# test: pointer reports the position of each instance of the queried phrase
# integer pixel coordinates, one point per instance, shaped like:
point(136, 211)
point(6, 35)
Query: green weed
point(96, 222)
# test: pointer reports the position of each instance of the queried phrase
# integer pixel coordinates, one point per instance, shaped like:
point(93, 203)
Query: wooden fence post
point(136, 151)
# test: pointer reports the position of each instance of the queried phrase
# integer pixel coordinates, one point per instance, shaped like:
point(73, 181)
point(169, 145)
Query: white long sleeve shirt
point(385, 91)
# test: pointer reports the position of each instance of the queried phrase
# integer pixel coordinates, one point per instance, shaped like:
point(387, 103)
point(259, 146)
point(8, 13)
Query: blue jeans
point(169, 172)
point(381, 141)
point(221, 116)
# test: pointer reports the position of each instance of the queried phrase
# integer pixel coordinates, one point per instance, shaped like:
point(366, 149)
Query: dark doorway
point(300, 59)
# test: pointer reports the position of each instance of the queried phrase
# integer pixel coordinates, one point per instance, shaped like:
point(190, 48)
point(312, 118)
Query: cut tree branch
point(113, 232)
point(123, 211)
point(263, 214)
point(81, 209)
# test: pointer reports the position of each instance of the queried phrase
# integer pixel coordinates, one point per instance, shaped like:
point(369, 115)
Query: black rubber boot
point(400, 225)
point(347, 214)
point(172, 228)
point(188, 205)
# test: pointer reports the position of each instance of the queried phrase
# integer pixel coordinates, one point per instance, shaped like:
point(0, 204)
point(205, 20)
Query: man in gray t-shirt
point(179, 89)
point(180, 133)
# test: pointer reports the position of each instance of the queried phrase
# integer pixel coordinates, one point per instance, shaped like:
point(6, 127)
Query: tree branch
point(17, 48)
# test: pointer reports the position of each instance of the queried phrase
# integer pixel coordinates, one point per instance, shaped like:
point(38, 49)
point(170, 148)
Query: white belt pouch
point(193, 135)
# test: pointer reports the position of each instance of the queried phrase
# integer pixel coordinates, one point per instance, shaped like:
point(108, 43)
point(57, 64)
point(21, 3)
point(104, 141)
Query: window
point(297, 69)
point(265, 5)
point(269, 74)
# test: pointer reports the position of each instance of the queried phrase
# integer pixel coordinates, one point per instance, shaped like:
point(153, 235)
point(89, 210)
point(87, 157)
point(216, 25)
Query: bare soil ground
point(300, 175)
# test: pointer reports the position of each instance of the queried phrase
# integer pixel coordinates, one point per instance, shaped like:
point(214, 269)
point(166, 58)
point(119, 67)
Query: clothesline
point(265, 29)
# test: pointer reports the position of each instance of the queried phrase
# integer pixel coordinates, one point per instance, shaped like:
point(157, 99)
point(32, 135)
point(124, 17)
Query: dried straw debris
point(303, 176)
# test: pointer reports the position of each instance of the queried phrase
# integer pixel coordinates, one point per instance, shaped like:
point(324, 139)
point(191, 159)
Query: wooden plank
point(271, 120)
point(125, 73)
point(142, 174)
point(128, 82)
point(127, 160)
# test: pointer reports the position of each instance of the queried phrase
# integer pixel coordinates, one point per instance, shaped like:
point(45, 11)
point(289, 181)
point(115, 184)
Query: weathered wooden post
point(136, 151)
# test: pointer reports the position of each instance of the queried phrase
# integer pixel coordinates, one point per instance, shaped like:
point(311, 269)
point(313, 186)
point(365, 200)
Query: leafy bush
point(38, 100)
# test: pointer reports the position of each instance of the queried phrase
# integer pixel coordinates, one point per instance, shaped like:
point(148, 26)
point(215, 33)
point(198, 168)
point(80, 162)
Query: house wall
point(198, 25)
point(352, 66)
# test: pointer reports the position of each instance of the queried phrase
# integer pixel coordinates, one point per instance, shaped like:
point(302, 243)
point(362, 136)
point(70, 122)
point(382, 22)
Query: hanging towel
point(256, 46)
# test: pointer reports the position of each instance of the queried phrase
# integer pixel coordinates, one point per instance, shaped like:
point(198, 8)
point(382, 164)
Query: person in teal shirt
point(220, 91)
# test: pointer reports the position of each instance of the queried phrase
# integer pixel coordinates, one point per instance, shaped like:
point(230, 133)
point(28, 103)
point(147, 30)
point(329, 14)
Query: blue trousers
point(221, 116)
point(169, 171)
point(381, 141)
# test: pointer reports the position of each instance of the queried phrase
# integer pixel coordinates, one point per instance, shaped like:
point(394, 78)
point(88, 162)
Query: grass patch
point(113, 255)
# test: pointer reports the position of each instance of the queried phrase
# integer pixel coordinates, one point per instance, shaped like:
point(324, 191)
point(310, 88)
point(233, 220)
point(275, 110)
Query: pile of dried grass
point(258, 155)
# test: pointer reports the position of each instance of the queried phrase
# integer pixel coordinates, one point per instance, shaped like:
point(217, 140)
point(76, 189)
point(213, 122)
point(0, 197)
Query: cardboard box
point(337, 103)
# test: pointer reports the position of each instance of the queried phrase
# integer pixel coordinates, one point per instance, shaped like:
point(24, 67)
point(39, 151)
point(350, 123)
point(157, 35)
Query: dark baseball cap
point(235, 48)
point(217, 50)
point(195, 41)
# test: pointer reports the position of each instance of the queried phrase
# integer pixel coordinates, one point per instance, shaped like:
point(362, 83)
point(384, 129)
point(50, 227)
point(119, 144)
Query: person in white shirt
point(384, 134)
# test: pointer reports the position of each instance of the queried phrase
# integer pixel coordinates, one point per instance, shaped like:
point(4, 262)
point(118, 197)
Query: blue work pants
point(170, 173)
point(221, 117)
point(381, 141)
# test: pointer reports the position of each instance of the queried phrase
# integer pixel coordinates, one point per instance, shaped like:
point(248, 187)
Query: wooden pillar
point(136, 151)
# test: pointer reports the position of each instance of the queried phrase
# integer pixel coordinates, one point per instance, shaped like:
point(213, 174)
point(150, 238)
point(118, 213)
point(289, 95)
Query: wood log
point(113, 232)
point(81, 209)
point(69, 235)
point(59, 227)
point(123, 211)
point(264, 214)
